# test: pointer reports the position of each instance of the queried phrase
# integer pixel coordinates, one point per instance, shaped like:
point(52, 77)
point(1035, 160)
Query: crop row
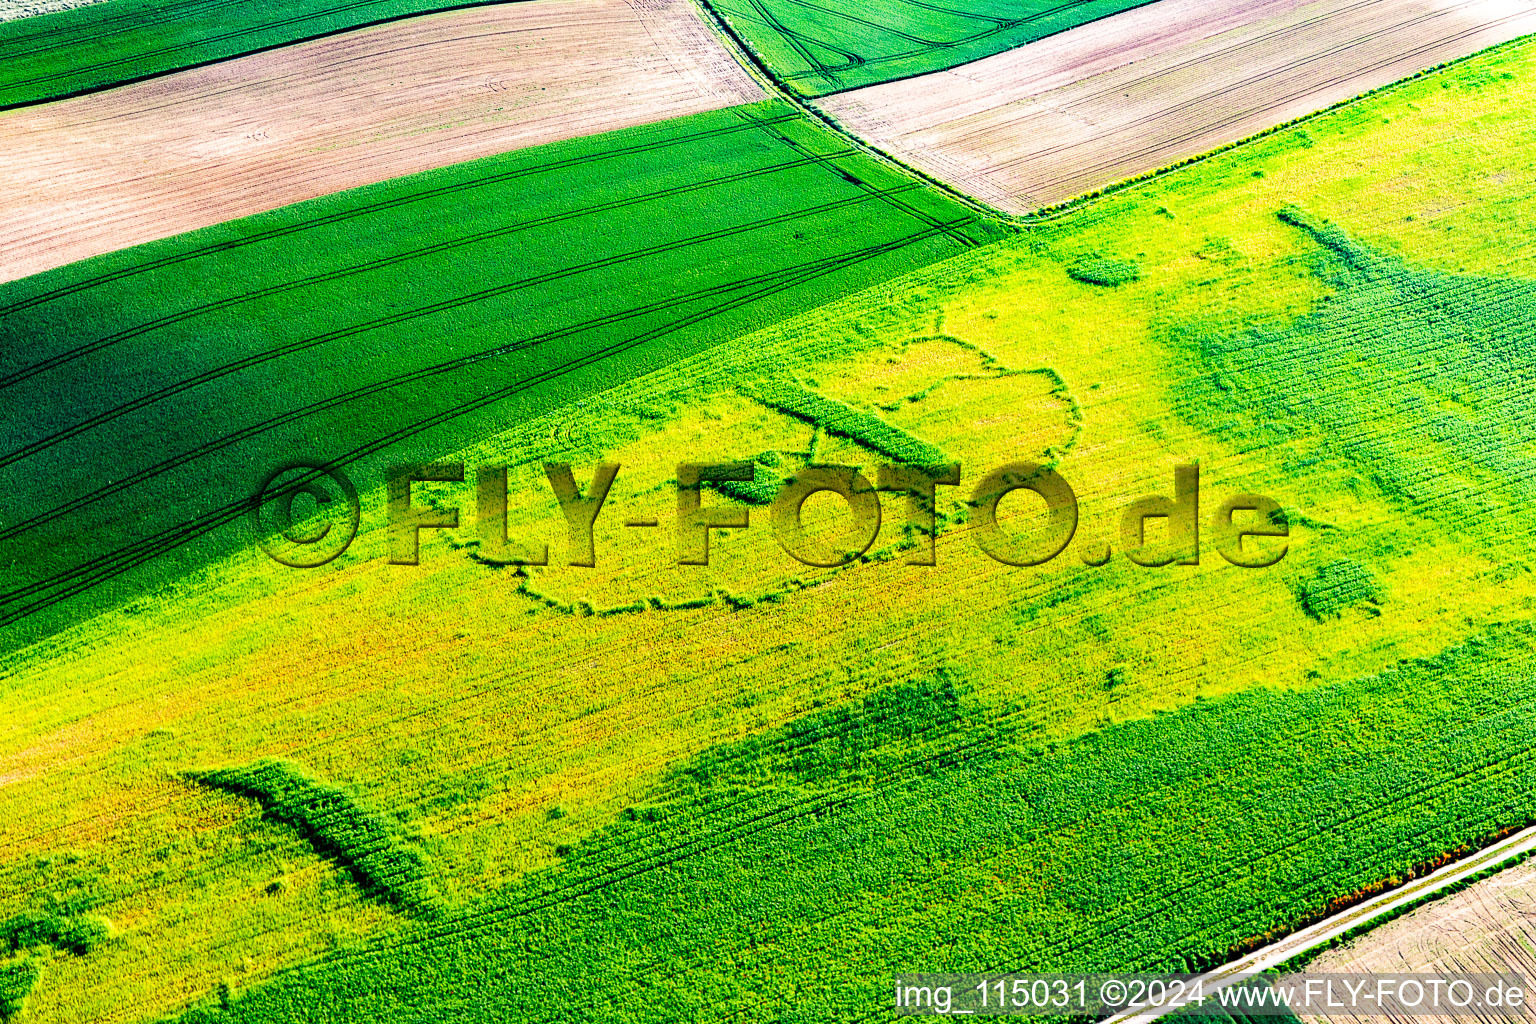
point(917, 833)
point(1418, 380)
point(818, 48)
point(400, 320)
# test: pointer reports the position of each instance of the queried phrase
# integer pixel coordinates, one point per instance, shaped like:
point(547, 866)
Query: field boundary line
point(367, 209)
point(754, 65)
point(150, 76)
point(1351, 920)
point(1056, 211)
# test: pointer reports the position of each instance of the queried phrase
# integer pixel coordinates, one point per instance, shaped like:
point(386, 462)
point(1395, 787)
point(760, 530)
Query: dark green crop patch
point(367, 845)
point(1104, 271)
point(17, 979)
point(1339, 585)
point(71, 933)
point(1410, 381)
point(863, 428)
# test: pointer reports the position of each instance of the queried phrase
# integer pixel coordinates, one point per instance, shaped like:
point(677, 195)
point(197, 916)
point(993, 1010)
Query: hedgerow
point(367, 845)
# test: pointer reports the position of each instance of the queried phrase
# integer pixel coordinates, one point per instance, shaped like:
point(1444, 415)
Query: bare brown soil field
point(1141, 90)
point(1489, 927)
point(105, 171)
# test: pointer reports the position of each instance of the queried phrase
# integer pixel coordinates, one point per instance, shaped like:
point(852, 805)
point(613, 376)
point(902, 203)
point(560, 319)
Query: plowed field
point(1143, 89)
point(108, 170)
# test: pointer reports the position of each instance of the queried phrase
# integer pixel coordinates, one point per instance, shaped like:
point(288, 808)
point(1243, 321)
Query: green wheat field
point(481, 789)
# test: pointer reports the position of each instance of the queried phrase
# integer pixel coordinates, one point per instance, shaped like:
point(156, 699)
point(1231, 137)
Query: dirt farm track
point(100, 172)
point(1146, 88)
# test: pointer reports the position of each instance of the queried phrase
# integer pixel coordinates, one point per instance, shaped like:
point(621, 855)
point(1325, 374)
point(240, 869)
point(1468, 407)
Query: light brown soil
point(11, 10)
point(1487, 928)
point(1143, 89)
point(109, 170)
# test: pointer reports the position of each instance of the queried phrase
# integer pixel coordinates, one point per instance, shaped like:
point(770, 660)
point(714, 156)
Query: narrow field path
point(105, 171)
point(1333, 926)
point(1486, 928)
